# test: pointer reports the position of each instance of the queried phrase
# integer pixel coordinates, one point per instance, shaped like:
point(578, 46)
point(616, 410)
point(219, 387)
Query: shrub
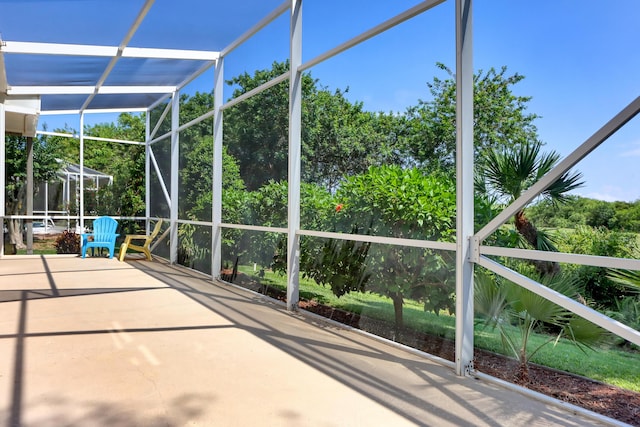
point(598, 286)
point(67, 243)
point(627, 311)
point(517, 313)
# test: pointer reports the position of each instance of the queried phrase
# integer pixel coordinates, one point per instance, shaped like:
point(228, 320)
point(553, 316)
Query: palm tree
point(524, 318)
point(504, 174)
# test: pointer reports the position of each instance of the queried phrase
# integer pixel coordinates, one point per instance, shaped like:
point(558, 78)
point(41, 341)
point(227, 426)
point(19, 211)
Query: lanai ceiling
point(109, 55)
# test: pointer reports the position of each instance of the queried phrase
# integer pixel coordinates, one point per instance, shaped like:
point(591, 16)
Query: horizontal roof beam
point(31, 48)
point(196, 55)
point(87, 90)
point(92, 138)
point(93, 111)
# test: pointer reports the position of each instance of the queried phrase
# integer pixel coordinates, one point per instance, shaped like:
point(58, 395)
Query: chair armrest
point(135, 236)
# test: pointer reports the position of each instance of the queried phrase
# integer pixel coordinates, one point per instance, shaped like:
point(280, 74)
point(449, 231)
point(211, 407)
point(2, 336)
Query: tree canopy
point(339, 138)
point(500, 118)
point(362, 172)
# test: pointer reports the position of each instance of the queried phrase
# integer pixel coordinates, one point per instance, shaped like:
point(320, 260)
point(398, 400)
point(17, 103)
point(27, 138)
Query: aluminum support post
point(295, 144)
point(3, 183)
point(175, 165)
point(80, 184)
point(464, 188)
point(29, 196)
point(147, 172)
point(216, 208)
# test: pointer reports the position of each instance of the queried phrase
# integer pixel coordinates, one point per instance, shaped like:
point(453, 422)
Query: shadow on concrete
point(420, 391)
point(353, 359)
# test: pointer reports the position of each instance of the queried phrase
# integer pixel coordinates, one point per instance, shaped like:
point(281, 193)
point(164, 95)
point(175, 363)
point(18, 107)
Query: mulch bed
point(613, 402)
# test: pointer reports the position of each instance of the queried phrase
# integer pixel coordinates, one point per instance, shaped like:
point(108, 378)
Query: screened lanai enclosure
point(60, 196)
point(262, 209)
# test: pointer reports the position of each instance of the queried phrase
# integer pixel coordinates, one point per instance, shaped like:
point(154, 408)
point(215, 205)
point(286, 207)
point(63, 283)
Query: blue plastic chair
point(104, 236)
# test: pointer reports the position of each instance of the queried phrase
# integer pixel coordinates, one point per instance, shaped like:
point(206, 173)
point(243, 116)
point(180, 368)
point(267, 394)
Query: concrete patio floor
point(96, 342)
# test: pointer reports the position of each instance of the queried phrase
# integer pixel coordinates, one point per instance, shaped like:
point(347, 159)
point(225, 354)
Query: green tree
point(45, 167)
point(570, 214)
point(125, 162)
point(196, 157)
point(601, 215)
point(341, 139)
point(338, 137)
point(500, 118)
point(267, 206)
point(627, 216)
point(404, 203)
point(196, 182)
point(256, 130)
point(616, 216)
point(505, 173)
point(102, 155)
point(339, 264)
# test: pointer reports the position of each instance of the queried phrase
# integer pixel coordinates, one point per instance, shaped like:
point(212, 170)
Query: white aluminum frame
point(115, 53)
point(216, 179)
point(295, 156)
point(612, 126)
point(81, 184)
point(2, 170)
point(479, 252)
point(464, 188)
point(468, 246)
point(147, 172)
point(175, 182)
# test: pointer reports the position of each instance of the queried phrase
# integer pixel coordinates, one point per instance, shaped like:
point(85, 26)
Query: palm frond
point(525, 163)
point(546, 162)
point(557, 191)
point(489, 298)
point(545, 242)
point(584, 333)
point(538, 307)
point(630, 279)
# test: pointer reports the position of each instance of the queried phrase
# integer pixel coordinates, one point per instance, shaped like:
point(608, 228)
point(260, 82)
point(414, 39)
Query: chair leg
point(123, 251)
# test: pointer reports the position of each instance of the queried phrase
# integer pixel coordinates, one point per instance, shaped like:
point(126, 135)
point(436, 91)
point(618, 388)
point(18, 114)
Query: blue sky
point(580, 59)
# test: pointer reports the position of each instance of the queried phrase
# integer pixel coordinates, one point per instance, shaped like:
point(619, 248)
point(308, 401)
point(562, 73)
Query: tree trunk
point(522, 374)
point(398, 302)
point(530, 234)
point(15, 233)
point(526, 229)
point(15, 206)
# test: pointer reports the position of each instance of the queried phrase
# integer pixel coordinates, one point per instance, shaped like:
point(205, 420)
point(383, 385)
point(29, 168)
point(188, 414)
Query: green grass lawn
point(42, 246)
point(606, 364)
